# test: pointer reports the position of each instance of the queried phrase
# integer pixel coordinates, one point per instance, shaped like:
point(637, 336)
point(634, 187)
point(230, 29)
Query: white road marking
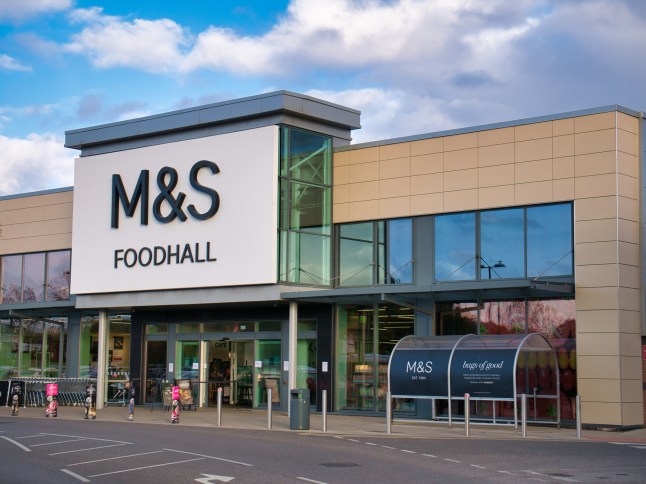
point(563, 479)
point(29, 436)
point(59, 442)
point(409, 451)
point(453, 460)
point(146, 467)
point(388, 447)
point(477, 466)
point(114, 458)
point(639, 447)
point(209, 478)
point(354, 440)
point(75, 475)
point(429, 455)
point(88, 438)
point(26, 449)
point(310, 480)
point(508, 473)
point(85, 450)
point(369, 443)
point(211, 457)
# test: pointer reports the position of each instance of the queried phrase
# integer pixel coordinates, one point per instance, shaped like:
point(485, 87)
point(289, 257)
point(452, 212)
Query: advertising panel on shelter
point(419, 372)
point(485, 374)
point(188, 214)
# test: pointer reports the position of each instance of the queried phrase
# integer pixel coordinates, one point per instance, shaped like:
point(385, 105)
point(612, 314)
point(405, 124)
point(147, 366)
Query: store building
point(249, 244)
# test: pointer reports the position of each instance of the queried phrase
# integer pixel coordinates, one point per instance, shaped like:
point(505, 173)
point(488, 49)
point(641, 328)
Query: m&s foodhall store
point(249, 245)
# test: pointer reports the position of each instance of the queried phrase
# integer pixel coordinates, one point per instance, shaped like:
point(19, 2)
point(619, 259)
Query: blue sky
point(410, 66)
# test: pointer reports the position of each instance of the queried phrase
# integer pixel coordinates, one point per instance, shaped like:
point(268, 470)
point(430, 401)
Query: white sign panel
point(196, 213)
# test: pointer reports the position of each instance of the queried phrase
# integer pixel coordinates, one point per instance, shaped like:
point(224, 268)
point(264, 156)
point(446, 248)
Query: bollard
point(90, 401)
point(523, 410)
point(578, 417)
point(324, 408)
point(389, 415)
point(16, 397)
point(467, 413)
point(51, 391)
point(174, 416)
point(269, 408)
point(219, 406)
point(131, 402)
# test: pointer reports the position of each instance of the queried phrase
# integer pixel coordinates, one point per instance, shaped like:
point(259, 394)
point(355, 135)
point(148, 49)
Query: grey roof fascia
point(260, 106)
point(37, 193)
point(486, 127)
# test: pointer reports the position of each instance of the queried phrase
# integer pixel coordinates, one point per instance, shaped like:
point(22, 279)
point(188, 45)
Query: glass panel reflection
point(549, 240)
point(455, 247)
point(34, 278)
point(502, 243)
point(11, 279)
point(400, 251)
point(58, 275)
point(356, 254)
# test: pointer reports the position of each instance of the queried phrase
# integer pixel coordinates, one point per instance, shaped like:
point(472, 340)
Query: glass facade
point(305, 220)
point(555, 319)
point(373, 253)
point(506, 243)
point(366, 336)
point(37, 277)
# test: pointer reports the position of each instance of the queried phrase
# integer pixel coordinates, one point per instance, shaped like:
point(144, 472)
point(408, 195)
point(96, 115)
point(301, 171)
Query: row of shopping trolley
point(71, 391)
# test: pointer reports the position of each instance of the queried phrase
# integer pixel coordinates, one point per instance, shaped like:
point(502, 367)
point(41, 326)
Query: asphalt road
point(52, 451)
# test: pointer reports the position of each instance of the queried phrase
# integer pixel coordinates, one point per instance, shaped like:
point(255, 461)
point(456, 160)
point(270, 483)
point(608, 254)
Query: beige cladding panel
point(460, 180)
point(429, 203)
point(563, 190)
point(394, 168)
point(427, 146)
point(600, 413)
point(496, 155)
point(594, 142)
point(398, 150)
point(629, 322)
point(627, 164)
point(533, 131)
point(594, 122)
point(592, 253)
point(461, 142)
point(492, 176)
point(432, 183)
point(533, 193)
point(563, 167)
point(563, 146)
point(627, 142)
point(363, 172)
point(429, 163)
point(533, 171)
point(461, 159)
point(536, 149)
point(500, 136)
point(459, 201)
point(394, 187)
point(597, 208)
point(599, 389)
point(562, 127)
point(631, 367)
point(605, 367)
point(598, 321)
point(500, 196)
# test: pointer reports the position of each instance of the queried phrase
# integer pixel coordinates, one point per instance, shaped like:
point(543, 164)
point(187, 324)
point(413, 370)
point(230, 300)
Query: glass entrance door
point(267, 372)
point(155, 370)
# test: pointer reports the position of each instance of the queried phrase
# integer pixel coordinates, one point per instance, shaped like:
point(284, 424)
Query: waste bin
point(299, 409)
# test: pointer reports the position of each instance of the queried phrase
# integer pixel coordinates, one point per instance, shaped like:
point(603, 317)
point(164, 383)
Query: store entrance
point(230, 367)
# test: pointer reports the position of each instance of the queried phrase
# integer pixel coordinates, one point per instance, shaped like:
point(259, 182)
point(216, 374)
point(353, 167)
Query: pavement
point(337, 424)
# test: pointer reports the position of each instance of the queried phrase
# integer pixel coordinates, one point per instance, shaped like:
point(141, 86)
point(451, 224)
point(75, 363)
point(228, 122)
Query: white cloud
point(37, 162)
point(148, 45)
point(18, 10)
point(11, 64)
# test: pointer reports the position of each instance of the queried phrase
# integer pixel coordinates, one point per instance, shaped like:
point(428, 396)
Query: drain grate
point(340, 464)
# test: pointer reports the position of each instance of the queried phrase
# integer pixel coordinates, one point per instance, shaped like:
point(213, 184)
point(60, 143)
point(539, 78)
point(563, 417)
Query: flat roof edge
point(36, 193)
point(485, 127)
point(221, 113)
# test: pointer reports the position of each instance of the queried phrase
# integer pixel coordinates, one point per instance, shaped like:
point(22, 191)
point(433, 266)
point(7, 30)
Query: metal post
point(219, 406)
point(269, 408)
point(493, 403)
point(467, 413)
point(388, 412)
point(433, 410)
point(578, 417)
point(535, 390)
point(324, 408)
point(523, 409)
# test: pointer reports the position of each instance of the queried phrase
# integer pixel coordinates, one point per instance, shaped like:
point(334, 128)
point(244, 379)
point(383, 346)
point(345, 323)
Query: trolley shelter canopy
point(445, 367)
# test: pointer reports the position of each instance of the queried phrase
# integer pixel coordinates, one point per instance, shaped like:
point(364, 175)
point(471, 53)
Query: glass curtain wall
point(305, 222)
point(366, 336)
point(89, 351)
point(9, 347)
point(37, 277)
point(505, 243)
point(555, 319)
point(373, 253)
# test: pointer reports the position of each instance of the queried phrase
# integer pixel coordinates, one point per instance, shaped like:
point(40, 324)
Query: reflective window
point(502, 243)
point(549, 240)
point(156, 328)
point(356, 254)
point(11, 279)
point(89, 353)
point(9, 347)
point(455, 247)
point(502, 317)
point(400, 251)
point(188, 328)
point(34, 278)
point(32, 348)
point(305, 212)
point(58, 275)
point(456, 318)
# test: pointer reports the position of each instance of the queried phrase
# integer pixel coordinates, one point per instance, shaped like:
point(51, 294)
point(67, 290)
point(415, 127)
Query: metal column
point(102, 364)
point(293, 335)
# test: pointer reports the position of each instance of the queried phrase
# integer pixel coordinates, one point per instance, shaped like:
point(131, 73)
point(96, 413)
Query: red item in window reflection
point(568, 379)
